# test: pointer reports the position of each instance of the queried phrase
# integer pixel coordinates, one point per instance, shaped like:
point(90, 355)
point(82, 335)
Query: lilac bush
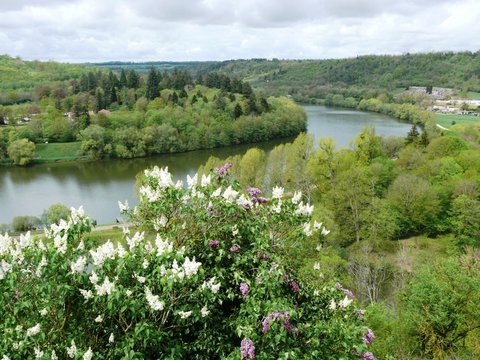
point(167, 290)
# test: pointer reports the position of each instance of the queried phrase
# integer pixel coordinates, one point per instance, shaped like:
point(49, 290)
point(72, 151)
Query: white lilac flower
point(34, 330)
point(106, 288)
point(25, 240)
point(140, 279)
point(304, 209)
point(88, 354)
point(5, 268)
point(179, 184)
point(206, 180)
point(121, 252)
point(54, 355)
point(230, 195)
point(123, 207)
point(135, 240)
point(38, 353)
point(87, 294)
point(316, 266)
point(217, 192)
point(316, 225)
point(306, 229)
point(149, 193)
point(79, 265)
point(153, 300)
point(162, 246)
point(277, 192)
point(210, 284)
point(332, 305)
point(60, 243)
point(316, 292)
point(102, 253)
point(128, 293)
point(243, 201)
point(43, 312)
point(162, 175)
point(99, 319)
point(184, 314)
point(235, 230)
point(72, 350)
point(325, 232)
point(81, 245)
point(278, 207)
point(204, 311)
point(5, 357)
point(345, 302)
point(5, 244)
point(125, 230)
point(40, 266)
point(93, 277)
point(192, 181)
point(145, 263)
point(190, 266)
point(318, 247)
point(111, 338)
point(297, 196)
point(160, 222)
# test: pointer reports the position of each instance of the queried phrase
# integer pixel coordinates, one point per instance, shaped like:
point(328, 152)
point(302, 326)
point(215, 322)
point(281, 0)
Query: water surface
point(99, 185)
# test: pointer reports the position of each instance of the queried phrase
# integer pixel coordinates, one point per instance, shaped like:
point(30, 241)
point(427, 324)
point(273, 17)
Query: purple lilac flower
point(368, 356)
point(369, 337)
point(253, 191)
point(262, 200)
point(347, 292)
point(223, 170)
point(294, 286)
point(244, 289)
point(213, 243)
point(289, 327)
point(247, 349)
point(360, 313)
point(263, 256)
point(265, 325)
point(234, 249)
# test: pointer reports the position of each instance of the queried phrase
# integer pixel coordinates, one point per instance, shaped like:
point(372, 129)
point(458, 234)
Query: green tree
point(237, 111)
point(55, 213)
point(251, 171)
point(465, 216)
point(152, 84)
point(441, 307)
point(21, 151)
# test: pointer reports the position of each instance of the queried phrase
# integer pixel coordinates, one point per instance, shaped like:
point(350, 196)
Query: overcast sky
point(140, 30)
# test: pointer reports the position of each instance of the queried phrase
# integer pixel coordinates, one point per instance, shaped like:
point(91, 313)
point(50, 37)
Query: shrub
point(205, 279)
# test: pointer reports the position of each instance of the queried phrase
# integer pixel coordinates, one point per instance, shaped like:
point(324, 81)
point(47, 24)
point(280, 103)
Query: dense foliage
point(382, 198)
point(131, 115)
point(207, 278)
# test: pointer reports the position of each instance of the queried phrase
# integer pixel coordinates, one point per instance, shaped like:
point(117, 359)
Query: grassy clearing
point(446, 120)
point(473, 95)
point(58, 152)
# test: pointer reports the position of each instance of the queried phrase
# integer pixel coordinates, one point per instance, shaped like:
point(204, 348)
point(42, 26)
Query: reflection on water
point(99, 185)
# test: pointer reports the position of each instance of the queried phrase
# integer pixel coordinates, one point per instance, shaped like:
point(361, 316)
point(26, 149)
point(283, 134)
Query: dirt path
point(442, 127)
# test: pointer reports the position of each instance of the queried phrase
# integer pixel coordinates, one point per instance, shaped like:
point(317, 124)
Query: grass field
point(473, 95)
point(58, 152)
point(446, 120)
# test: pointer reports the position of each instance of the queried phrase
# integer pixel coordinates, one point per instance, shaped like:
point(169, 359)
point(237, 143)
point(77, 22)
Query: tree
point(465, 216)
point(21, 152)
point(417, 203)
point(412, 136)
point(123, 79)
point(25, 223)
point(237, 111)
point(251, 170)
point(441, 306)
point(152, 84)
point(55, 213)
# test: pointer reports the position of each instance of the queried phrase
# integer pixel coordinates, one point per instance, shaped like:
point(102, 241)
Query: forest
point(132, 115)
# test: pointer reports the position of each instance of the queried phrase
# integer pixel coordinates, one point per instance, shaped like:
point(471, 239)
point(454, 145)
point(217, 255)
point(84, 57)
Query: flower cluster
point(222, 171)
point(284, 317)
point(247, 349)
point(347, 292)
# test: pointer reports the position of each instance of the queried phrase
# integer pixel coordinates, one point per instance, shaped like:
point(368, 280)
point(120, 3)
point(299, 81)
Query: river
point(99, 185)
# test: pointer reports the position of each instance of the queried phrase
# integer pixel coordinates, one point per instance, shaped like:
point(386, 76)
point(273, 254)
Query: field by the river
point(450, 120)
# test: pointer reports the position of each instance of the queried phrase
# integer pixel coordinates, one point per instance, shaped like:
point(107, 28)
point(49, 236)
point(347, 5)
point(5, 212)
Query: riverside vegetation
point(152, 114)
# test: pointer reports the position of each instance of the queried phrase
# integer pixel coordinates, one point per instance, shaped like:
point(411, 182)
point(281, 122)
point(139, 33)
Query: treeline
point(460, 70)
point(374, 198)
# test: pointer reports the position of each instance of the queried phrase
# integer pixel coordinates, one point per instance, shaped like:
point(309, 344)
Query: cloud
point(92, 30)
